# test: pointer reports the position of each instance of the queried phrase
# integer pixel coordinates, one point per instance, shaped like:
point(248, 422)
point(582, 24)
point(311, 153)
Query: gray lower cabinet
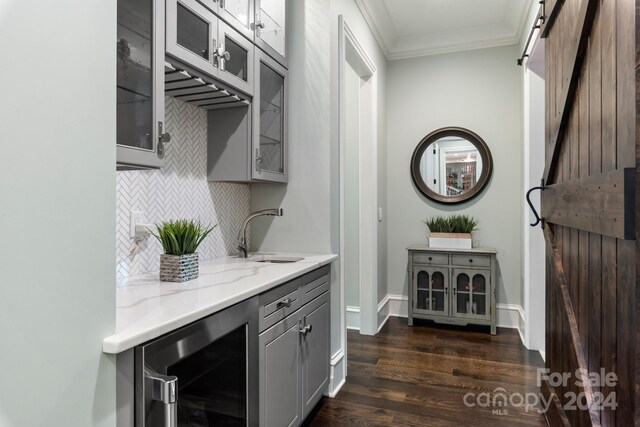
point(452, 286)
point(280, 374)
point(315, 352)
point(294, 352)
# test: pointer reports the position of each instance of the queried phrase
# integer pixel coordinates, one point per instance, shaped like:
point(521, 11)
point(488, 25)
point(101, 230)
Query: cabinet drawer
point(278, 303)
point(471, 260)
point(316, 283)
point(431, 258)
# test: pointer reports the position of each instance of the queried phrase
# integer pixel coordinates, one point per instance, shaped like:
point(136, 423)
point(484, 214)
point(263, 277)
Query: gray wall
point(57, 198)
point(479, 90)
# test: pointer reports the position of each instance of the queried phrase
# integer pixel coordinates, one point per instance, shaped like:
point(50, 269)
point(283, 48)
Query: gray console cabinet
point(452, 286)
point(294, 348)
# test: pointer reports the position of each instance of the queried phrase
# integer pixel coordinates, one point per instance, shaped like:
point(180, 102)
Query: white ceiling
point(409, 28)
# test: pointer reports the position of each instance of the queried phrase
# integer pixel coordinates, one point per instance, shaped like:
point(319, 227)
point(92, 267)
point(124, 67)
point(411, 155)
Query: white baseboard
point(511, 316)
point(398, 305)
point(337, 373)
point(508, 315)
point(383, 312)
point(353, 318)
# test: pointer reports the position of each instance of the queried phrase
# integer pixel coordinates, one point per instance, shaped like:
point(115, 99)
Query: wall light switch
point(137, 217)
point(379, 214)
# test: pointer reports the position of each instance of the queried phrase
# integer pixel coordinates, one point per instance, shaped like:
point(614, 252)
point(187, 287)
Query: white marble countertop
point(147, 308)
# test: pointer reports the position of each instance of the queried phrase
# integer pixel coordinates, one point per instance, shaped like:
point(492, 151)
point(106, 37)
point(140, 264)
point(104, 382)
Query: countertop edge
point(118, 343)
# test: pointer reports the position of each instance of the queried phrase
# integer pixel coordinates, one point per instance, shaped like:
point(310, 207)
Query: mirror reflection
point(451, 166)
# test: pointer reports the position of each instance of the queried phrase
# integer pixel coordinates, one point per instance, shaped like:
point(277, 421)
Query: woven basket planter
point(178, 268)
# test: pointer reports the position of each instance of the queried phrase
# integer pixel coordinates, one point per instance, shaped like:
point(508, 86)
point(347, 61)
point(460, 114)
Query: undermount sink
point(275, 259)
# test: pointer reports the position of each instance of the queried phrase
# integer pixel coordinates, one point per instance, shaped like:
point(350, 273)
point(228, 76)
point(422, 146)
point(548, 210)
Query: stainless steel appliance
point(204, 374)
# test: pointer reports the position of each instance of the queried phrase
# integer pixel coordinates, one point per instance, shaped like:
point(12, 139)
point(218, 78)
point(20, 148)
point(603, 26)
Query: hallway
point(419, 376)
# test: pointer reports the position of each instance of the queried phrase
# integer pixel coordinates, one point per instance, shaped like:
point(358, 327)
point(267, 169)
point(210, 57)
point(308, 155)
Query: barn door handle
point(533, 209)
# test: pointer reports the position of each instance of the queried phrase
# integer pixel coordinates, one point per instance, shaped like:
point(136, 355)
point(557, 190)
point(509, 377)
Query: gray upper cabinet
point(270, 120)
point(140, 85)
point(240, 14)
point(270, 28)
point(197, 37)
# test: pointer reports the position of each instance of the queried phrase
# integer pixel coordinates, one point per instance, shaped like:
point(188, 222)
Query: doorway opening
point(358, 182)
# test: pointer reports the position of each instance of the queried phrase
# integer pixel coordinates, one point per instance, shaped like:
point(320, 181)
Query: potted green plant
point(451, 232)
point(180, 240)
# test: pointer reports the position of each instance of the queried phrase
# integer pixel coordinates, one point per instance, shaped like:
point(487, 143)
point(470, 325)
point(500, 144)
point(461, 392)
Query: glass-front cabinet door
point(431, 290)
point(269, 120)
point(235, 59)
point(240, 14)
point(192, 35)
point(140, 84)
point(270, 28)
point(471, 294)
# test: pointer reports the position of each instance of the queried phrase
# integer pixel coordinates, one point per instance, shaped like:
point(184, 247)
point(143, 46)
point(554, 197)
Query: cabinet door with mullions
point(471, 293)
point(431, 290)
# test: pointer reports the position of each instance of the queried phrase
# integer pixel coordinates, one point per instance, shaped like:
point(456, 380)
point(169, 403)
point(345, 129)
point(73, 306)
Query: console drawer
point(431, 258)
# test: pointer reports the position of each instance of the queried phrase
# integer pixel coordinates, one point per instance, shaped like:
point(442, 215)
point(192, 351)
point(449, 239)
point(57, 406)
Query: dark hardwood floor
point(419, 376)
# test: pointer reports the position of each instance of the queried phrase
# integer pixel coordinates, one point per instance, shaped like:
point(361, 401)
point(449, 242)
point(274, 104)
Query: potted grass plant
point(451, 232)
point(180, 240)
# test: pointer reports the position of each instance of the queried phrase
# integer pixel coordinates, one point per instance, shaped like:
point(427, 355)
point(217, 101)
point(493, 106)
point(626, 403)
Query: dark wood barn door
point(589, 209)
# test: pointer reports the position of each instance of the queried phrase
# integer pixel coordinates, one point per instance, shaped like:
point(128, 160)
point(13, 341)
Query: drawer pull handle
point(284, 303)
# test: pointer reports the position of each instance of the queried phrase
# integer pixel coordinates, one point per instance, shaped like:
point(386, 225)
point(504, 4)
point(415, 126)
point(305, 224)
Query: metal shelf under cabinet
point(193, 89)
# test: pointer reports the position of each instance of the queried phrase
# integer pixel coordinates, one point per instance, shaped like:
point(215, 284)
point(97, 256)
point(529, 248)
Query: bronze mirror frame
point(472, 137)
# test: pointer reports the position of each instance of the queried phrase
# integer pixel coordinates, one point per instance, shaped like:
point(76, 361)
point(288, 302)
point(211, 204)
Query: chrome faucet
point(242, 233)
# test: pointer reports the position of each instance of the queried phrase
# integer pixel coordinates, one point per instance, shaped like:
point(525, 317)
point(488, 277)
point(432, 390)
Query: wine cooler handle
point(164, 389)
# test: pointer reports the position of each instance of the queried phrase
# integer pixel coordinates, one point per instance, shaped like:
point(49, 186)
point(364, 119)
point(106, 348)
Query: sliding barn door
point(589, 208)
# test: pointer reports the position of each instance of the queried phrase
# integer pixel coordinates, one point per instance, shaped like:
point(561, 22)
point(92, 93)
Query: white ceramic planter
point(450, 240)
point(179, 268)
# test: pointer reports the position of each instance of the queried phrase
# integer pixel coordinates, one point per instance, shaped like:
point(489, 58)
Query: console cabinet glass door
point(431, 290)
point(471, 294)
point(240, 14)
point(271, 28)
point(192, 34)
point(139, 83)
point(236, 65)
point(269, 120)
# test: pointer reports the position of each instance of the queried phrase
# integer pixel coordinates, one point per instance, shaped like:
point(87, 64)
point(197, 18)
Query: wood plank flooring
point(418, 376)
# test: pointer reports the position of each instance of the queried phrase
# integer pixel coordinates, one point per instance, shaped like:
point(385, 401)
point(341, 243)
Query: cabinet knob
point(430, 258)
point(305, 330)
point(470, 260)
point(284, 303)
point(260, 24)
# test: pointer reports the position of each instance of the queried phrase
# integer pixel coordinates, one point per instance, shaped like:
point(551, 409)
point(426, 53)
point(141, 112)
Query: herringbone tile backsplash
point(179, 190)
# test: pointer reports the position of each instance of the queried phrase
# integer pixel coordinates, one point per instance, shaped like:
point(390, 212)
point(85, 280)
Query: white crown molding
point(367, 14)
point(394, 47)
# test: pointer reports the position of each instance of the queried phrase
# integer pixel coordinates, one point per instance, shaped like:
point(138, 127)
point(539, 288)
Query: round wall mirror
point(451, 165)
